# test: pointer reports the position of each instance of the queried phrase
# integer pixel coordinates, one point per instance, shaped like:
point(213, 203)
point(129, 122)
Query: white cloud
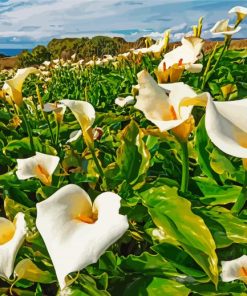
point(37, 21)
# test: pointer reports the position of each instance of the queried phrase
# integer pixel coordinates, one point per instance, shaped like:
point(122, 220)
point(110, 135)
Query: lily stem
point(57, 132)
point(242, 198)
point(185, 166)
point(95, 159)
point(29, 131)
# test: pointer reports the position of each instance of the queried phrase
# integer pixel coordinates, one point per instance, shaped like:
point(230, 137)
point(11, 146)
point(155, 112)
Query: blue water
point(11, 51)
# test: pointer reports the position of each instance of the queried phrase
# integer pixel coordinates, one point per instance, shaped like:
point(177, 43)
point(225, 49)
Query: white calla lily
point(240, 11)
point(77, 232)
point(13, 87)
point(226, 125)
point(234, 269)
point(40, 166)
point(58, 109)
point(225, 122)
point(75, 135)
point(222, 27)
point(83, 111)
point(124, 101)
point(159, 107)
point(12, 235)
point(185, 55)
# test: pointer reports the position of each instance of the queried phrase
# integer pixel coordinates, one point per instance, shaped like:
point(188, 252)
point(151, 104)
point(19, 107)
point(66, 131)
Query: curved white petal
point(223, 133)
point(26, 167)
point(56, 107)
point(222, 27)
point(152, 99)
point(8, 250)
point(13, 87)
point(165, 125)
point(231, 269)
point(49, 162)
point(187, 53)
point(234, 111)
point(194, 68)
point(83, 111)
point(73, 244)
point(75, 135)
point(238, 9)
point(124, 101)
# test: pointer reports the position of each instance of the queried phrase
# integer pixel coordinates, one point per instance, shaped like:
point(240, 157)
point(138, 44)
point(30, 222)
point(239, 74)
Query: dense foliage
point(176, 238)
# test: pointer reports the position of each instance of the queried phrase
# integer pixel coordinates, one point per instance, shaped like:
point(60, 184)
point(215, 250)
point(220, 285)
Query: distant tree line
point(84, 48)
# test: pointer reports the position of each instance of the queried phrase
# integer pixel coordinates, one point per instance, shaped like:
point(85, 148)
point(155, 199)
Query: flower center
point(172, 113)
point(180, 62)
point(7, 230)
point(243, 272)
point(89, 219)
point(42, 174)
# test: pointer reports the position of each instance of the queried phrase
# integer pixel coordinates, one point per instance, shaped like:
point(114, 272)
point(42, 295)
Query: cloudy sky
point(26, 23)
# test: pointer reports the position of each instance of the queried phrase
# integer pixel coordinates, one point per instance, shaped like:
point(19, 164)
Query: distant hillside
point(86, 49)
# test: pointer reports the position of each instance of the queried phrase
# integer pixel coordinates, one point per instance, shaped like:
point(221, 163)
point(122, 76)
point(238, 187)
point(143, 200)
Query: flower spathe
point(13, 87)
point(58, 109)
point(226, 124)
point(182, 57)
point(12, 235)
point(77, 232)
point(234, 269)
point(160, 108)
point(240, 11)
point(83, 111)
point(40, 166)
point(222, 27)
point(124, 101)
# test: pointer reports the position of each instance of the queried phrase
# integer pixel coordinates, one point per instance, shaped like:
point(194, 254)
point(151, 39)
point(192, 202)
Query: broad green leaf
point(26, 269)
point(180, 260)
point(132, 156)
point(155, 286)
point(236, 229)
point(147, 264)
point(215, 194)
point(173, 214)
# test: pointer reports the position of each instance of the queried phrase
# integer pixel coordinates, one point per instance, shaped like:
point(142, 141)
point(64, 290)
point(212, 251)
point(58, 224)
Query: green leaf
point(147, 264)
point(155, 286)
point(202, 145)
point(215, 194)
point(236, 229)
point(173, 215)
point(132, 156)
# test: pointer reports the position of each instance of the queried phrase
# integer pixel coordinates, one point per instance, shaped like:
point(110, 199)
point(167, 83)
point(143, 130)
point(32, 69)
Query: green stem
point(57, 132)
point(95, 159)
point(29, 131)
point(50, 129)
point(207, 74)
point(185, 167)
point(242, 198)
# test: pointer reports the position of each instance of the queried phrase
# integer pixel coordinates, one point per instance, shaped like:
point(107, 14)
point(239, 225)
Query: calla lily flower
point(182, 57)
point(235, 270)
point(13, 87)
point(226, 124)
point(124, 101)
point(77, 232)
point(222, 27)
point(58, 109)
point(240, 11)
point(12, 235)
point(162, 109)
point(83, 111)
point(40, 166)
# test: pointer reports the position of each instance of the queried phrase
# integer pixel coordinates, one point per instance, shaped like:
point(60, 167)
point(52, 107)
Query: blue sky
point(26, 23)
